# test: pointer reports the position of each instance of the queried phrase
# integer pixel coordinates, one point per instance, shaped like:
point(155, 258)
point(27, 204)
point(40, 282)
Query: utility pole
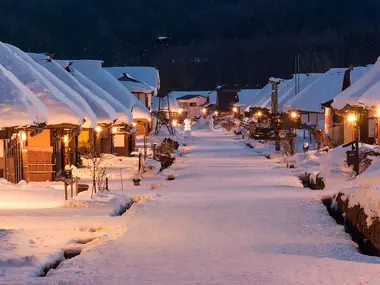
point(274, 109)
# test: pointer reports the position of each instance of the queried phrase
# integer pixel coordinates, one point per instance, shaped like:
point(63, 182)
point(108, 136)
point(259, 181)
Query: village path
point(230, 217)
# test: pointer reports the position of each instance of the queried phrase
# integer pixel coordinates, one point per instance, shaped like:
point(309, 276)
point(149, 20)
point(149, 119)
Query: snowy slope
point(94, 71)
point(139, 110)
point(352, 94)
point(60, 108)
point(90, 117)
point(18, 105)
point(102, 110)
point(146, 74)
point(123, 114)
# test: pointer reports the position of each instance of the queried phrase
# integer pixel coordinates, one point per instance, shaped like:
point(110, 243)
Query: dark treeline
point(212, 41)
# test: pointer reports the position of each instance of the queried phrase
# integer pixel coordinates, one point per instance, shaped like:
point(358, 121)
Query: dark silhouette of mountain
point(210, 41)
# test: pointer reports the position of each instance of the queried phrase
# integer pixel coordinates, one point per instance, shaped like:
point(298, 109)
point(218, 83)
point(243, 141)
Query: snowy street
point(230, 217)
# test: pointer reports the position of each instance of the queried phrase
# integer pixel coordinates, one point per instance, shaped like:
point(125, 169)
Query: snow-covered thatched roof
point(18, 105)
point(93, 70)
point(60, 108)
point(104, 112)
point(362, 79)
point(322, 90)
point(246, 97)
point(90, 116)
point(122, 113)
point(146, 74)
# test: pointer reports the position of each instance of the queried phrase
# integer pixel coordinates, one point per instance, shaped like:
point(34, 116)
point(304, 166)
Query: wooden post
point(154, 151)
point(121, 180)
point(76, 187)
point(145, 147)
point(72, 188)
point(274, 110)
point(140, 156)
point(65, 186)
point(107, 184)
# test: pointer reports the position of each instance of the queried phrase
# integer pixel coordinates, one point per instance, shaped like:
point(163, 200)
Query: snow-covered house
point(123, 136)
point(135, 83)
point(187, 103)
point(345, 113)
point(21, 111)
point(47, 153)
point(105, 113)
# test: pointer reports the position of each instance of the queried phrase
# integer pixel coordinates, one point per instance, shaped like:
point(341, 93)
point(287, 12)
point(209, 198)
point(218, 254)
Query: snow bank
point(60, 108)
point(101, 109)
point(28, 196)
point(18, 105)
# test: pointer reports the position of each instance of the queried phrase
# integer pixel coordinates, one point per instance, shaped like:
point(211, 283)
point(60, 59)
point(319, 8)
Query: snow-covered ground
point(230, 217)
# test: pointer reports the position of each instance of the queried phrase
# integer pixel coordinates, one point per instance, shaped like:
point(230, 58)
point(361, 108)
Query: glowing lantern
point(66, 139)
point(174, 123)
point(134, 124)
point(235, 109)
point(352, 118)
point(293, 114)
point(23, 136)
point(114, 130)
point(378, 112)
point(180, 110)
point(98, 129)
point(216, 113)
point(204, 110)
point(259, 114)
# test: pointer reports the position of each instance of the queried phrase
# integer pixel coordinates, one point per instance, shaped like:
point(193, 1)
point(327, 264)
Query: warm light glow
point(134, 124)
point(235, 109)
point(259, 114)
point(66, 139)
point(293, 114)
point(114, 130)
point(351, 118)
point(174, 122)
point(180, 110)
point(216, 113)
point(204, 110)
point(98, 129)
point(23, 136)
point(378, 112)
point(149, 119)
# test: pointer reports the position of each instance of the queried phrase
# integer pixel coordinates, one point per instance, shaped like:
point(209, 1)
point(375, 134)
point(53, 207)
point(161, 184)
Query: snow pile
point(103, 111)
point(28, 196)
point(60, 108)
point(18, 105)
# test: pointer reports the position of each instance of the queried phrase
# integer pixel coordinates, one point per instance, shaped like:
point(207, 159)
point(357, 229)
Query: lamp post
point(274, 109)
